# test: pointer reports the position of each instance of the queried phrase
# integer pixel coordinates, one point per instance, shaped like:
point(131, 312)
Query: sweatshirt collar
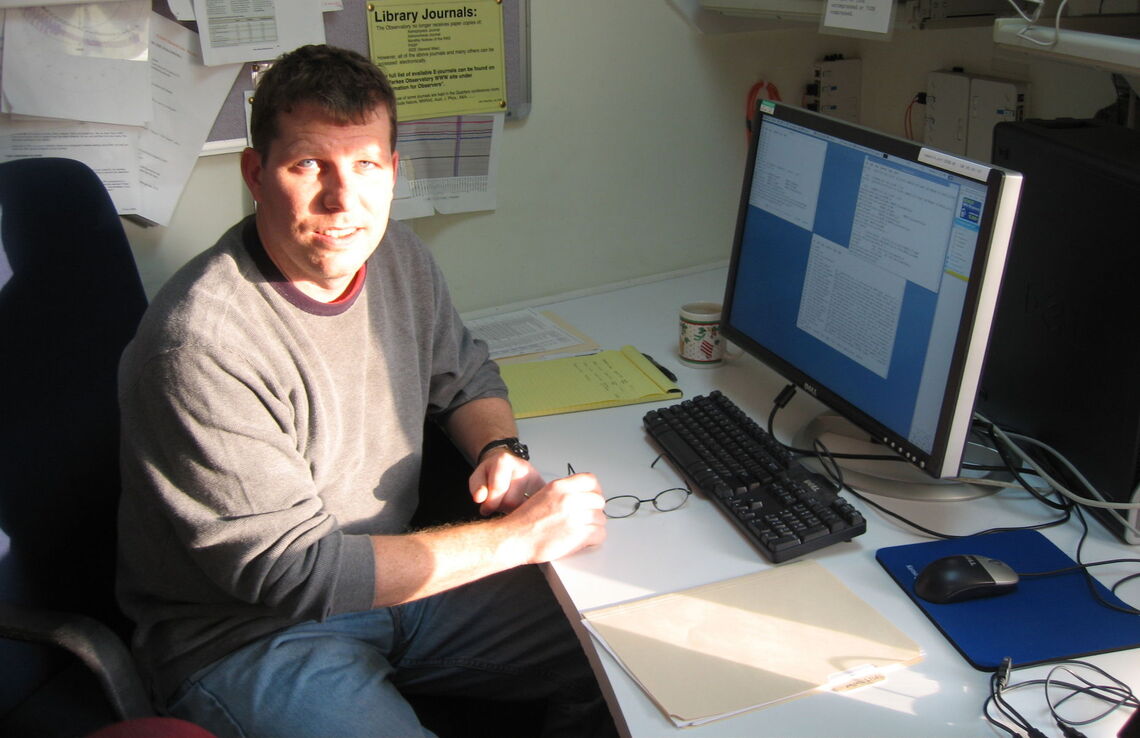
point(288, 290)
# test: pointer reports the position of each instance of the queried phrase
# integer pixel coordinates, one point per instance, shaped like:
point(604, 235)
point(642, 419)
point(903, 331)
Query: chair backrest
point(70, 300)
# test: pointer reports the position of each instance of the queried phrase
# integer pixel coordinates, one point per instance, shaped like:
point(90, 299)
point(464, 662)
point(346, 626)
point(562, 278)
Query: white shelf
point(1108, 52)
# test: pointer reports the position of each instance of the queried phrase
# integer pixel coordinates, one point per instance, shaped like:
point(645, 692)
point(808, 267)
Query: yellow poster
point(442, 57)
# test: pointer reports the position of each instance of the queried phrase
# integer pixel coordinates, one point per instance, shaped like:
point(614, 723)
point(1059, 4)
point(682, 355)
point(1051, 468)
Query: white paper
point(447, 165)
point(110, 151)
point(870, 17)
point(521, 332)
point(26, 3)
point(78, 62)
point(183, 10)
point(187, 96)
point(256, 30)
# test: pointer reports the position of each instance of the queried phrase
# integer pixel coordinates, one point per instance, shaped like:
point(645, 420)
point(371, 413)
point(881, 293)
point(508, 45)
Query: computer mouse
point(964, 577)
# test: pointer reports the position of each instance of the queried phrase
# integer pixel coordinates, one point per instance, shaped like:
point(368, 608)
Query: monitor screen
point(865, 269)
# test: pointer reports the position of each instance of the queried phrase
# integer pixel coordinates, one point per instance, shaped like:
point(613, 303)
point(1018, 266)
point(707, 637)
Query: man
point(273, 404)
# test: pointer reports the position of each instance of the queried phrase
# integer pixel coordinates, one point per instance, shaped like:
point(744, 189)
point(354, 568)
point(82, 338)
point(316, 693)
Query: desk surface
point(652, 552)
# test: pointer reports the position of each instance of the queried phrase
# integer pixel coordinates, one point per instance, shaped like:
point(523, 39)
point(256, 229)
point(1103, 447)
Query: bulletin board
point(348, 28)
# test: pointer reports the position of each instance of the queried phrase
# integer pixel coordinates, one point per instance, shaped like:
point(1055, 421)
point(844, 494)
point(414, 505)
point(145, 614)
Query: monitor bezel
point(994, 232)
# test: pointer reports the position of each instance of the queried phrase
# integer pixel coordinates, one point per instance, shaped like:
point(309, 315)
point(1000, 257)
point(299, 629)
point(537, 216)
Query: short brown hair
point(344, 83)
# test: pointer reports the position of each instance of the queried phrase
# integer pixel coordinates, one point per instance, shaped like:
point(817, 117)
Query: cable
point(1115, 694)
point(789, 391)
point(1098, 500)
point(999, 683)
point(908, 125)
point(762, 90)
point(1031, 23)
point(833, 471)
point(1003, 444)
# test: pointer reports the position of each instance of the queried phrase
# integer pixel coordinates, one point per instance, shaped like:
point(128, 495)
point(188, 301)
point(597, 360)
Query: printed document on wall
point(447, 165)
point(111, 151)
point(256, 30)
point(187, 96)
point(25, 3)
point(78, 62)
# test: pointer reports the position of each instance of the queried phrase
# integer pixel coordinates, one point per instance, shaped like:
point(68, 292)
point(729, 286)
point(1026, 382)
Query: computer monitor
point(865, 269)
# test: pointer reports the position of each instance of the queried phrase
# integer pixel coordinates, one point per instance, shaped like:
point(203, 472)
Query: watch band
point(511, 444)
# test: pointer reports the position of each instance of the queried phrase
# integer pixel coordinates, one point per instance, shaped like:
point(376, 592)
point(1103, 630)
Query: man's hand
point(562, 518)
point(502, 481)
point(557, 520)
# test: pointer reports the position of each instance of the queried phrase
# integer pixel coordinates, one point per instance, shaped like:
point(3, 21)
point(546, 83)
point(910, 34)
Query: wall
point(894, 71)
point(631, 160)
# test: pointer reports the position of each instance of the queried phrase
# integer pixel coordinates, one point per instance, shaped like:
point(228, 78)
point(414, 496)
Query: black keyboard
point(784, 508)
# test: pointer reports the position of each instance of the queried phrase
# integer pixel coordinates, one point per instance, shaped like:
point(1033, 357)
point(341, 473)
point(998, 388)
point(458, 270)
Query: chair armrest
point(89, 640)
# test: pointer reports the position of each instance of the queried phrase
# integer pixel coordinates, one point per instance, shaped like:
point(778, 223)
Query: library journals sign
point(442, 57)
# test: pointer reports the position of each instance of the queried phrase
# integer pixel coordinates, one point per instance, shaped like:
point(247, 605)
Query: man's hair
point(342, 82)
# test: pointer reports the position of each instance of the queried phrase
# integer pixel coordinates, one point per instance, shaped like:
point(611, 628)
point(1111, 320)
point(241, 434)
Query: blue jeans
point(500, 638)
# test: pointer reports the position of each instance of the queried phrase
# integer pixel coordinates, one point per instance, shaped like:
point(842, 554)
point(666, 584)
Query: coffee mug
point(700, 341)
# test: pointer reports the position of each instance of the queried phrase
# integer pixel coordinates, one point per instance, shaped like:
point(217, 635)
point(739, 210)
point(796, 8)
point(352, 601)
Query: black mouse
point(964, 577)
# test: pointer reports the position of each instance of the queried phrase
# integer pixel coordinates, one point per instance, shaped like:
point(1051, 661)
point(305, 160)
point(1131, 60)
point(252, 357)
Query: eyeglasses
point(622, 506)
point(667, 500)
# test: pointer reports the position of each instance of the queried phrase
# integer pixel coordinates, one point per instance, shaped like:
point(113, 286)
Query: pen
point(672, 377)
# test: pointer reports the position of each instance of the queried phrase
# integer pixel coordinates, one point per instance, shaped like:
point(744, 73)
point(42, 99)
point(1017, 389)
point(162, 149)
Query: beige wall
point(630, 161)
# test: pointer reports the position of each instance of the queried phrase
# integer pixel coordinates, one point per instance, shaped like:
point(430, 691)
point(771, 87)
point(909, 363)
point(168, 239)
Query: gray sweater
point(266, 434)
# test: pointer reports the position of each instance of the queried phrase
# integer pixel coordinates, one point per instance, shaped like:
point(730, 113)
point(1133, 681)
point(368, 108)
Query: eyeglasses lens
point(670, 499)
point(622, 506)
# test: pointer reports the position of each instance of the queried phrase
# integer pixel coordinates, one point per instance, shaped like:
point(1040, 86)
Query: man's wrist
point(510, 445)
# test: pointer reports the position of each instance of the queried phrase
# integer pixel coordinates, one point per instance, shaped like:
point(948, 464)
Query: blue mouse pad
point(1045, 618)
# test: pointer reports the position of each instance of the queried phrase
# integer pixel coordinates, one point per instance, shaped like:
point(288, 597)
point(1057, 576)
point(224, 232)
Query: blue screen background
point(772, 266)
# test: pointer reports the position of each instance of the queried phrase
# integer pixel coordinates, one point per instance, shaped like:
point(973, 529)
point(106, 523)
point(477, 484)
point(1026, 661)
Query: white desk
point(655, 552)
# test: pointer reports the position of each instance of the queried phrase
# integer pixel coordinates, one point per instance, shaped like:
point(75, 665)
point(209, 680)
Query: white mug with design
point(700, 341)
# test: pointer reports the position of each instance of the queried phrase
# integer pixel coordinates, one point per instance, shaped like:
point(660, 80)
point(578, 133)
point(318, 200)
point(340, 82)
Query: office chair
point(70, 300)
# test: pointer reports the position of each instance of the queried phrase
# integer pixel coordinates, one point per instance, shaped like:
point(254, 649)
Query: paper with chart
point(256, 30)
point(447, 165)
point(522, 333)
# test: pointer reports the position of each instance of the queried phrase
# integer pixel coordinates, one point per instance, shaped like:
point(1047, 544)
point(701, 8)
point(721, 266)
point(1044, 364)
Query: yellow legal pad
point(573, 383)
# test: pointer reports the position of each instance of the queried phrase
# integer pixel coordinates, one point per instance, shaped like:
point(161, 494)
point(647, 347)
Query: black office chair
point(70, 300)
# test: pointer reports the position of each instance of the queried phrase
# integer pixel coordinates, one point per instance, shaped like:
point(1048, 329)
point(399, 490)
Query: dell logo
point(810, 388)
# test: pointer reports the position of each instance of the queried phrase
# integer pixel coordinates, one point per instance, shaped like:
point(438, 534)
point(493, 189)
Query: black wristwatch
point(511, 444)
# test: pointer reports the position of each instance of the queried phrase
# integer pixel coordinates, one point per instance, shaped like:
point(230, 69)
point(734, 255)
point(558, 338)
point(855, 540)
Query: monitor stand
point(898, 479)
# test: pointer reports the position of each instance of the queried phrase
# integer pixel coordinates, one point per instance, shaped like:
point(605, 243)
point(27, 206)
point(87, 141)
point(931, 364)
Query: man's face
point(323, 196)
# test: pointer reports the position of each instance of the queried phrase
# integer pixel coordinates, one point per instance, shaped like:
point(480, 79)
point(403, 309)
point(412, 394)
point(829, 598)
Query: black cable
point(1081, 567)
point(999, 681)
point(1115, 694)
point(779, 404)
point(1089, 579)
point(837, 478)
point(1014, 468)
point(1063, 504)
point(789, 391)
